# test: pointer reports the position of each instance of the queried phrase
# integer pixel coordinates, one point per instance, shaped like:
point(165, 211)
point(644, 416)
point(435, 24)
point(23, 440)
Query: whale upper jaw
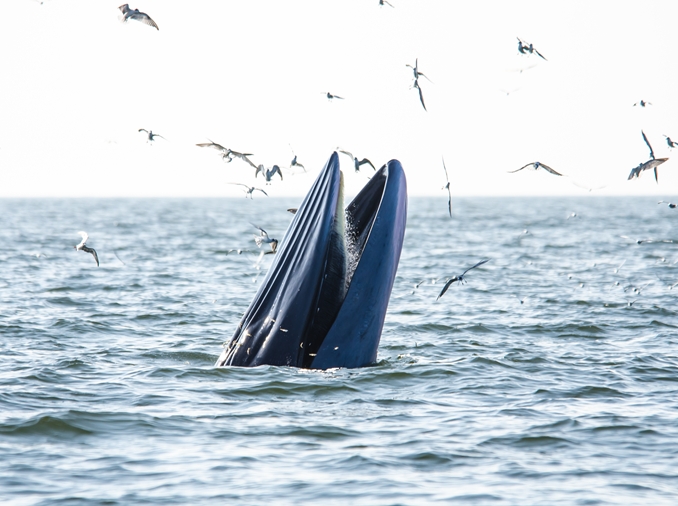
point(324, 298)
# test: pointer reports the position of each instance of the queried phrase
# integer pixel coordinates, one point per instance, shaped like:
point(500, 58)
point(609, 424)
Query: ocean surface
point(550, 377)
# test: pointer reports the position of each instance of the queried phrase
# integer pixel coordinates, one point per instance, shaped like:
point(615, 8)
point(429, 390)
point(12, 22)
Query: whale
point(323, 301)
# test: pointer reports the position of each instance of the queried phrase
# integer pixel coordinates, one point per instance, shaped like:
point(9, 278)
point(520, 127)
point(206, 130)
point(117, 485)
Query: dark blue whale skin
point(299, 316)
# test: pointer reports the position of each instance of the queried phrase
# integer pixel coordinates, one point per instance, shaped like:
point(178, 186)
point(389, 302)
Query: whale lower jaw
point(324, 299)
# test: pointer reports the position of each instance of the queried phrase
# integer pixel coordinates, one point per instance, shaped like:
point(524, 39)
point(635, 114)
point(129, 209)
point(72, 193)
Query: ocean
point(549, 377)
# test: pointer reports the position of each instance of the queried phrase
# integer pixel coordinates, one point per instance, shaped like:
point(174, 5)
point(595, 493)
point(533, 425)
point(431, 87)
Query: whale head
point(325, 296)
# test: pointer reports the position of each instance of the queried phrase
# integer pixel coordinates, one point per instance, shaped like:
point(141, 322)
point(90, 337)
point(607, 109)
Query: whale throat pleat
point(333, 288)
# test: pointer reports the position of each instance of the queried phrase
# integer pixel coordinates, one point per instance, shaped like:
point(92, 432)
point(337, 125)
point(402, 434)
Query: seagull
point(151, 135)
point(264, 238)
point(356, 163)
point(136, 14)
point(330, 96)
point(269, 173)
point(670, 142)
point(415, 84)
point(642, 103)
point(671, 205)
point(294, 162)
point(83, 247)
point(447, 187)
point(652, 163)
point(250, 189)
point(535, 166)
point(415, 70)
point(459, 278)
point(525, 48)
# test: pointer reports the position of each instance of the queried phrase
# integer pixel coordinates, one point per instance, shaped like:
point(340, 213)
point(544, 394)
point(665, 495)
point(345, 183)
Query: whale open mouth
point(324, 299)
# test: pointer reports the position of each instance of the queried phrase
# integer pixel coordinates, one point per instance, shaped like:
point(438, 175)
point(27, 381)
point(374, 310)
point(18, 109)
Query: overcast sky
point(77, 84)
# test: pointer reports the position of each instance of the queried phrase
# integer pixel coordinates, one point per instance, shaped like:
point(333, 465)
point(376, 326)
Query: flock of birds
point(268, 173)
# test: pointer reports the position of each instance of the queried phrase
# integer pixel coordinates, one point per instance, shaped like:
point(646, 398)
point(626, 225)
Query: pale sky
point(77, 84)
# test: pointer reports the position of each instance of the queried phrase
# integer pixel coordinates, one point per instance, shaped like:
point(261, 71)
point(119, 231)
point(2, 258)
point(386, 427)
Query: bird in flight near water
point(83, 247)
point(536, 166)
point(447, 187)
point(653, 163)
point(459, 278)
point(137, 15)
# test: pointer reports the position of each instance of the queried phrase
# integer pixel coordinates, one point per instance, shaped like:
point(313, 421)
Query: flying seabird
point(268, 173)
point(151, 135)
point(264, 238)
point(535, 166)
point(384, 2)
point(330, 96)
point(642, 103)
point(671, 205)
point(128, 14)
point(670, 142)
point(356, 163)
point(459, 278)
point(447, 187)
point(83, 247)
point(294, 162)
point(249, 190)
point(525, 48)
point(652, 163)
point(415, 70)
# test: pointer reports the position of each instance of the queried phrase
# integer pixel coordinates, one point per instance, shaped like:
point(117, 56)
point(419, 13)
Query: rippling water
point(551, 377)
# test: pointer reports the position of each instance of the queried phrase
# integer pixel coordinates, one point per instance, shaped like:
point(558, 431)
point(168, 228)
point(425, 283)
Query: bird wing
point(211, 144)
point(262, 191)
point(261, 230)
point(366, 161)
point(277, 169)
point(648, 144)
point(476, 265)
point(144, 18)
point(540, 55)
point(93, 252)
point(550, 169)
point(143, 130)
point(124, 8)
point(241, 184)
point(424, 75)
point(421, 98)
point(346, 153)
point(523, 167)
point(447, 177)
point(447, 285)
point(447, 187)
point(244, 157)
